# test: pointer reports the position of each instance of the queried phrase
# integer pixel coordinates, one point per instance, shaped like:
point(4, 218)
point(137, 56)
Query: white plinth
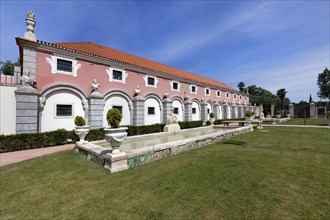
point(170, 128)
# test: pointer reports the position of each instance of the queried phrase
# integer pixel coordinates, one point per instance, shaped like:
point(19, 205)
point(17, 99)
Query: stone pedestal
point(167, 105)
point(27, 112)
point(272, 110)
point(95, 113)
point(225, 111)
point(188, 111)
point(30, 60)
point(138, 110)
point(116, 162)
point(233, 111)
point(216, 112)
point(204, 114)
point(171, 128)
point(291, 110)
point(312, 110)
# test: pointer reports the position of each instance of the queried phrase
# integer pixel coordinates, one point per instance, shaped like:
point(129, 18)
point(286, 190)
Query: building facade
point(87, 79)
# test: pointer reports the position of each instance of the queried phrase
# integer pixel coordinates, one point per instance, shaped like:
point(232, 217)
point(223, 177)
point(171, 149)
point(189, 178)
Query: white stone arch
point(197, 105)
point(177, 102)
point(63, 94)
point(153, 101)
point(234, 111)
point(209, 108)
point(118, 98)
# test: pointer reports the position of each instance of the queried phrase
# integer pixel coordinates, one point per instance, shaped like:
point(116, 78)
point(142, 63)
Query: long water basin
point(141, 141)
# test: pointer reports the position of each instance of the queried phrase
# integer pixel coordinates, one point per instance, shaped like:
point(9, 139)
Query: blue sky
point(272, 44)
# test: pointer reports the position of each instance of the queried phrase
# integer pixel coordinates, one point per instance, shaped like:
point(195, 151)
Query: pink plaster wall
point(90, 71)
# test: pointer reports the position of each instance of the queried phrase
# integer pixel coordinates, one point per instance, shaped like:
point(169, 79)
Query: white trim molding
point(110, 73)
point(196, 88)
point(53, 63)
point(179, 86)
point(146, 81)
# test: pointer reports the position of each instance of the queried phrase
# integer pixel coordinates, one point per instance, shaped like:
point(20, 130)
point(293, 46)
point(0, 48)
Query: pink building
point(84, 78)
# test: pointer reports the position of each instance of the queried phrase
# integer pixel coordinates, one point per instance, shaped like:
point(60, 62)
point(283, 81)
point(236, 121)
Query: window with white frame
point(63, 65)
point(235, 96)
point(227, 95)
point(117, 75)
point(193, 89)
point(240, 97)
point(194, 110)
point(218, 93)
point(207, 91)
point(150, 81)
point(175, 86)
point(64, 110)
point(176, 111)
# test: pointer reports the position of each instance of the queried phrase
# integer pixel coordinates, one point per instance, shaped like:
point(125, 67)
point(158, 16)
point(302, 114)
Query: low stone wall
point(123, 161)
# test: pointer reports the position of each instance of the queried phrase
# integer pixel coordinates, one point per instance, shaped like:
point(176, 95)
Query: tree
point(310, 98)
point(7, 67)
point(281, 94)
point(241, 86)
point(323, 81)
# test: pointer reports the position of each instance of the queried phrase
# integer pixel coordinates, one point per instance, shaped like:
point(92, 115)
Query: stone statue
point(95, 86)
point(166, 94)
point(187, 97)
point(27, 80)
point(172, 119)
point(137, 91)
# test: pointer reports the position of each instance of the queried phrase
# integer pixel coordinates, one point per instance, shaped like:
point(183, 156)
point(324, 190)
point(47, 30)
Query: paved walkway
point(17, 156)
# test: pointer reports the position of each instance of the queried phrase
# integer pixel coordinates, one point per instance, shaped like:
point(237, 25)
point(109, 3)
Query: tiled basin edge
point(123, 161)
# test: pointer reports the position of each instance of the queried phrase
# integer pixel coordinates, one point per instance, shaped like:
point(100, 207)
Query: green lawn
point(278, 173)
point(309, 121)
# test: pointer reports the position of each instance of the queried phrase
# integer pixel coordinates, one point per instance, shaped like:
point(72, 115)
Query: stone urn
point(82, 131)
point(278, 116)
point(212, 120)
point(249, 119)
point(115, 136)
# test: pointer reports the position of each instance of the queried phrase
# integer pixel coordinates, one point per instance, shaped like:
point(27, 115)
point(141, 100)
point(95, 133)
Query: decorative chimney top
point(30, 25)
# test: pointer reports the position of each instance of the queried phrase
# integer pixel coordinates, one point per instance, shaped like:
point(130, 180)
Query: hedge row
point(18, 142)
point(190, 124)
point(35, 140)
point(144, 129)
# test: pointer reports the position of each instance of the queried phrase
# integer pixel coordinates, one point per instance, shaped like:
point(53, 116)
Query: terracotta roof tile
point(109, 53)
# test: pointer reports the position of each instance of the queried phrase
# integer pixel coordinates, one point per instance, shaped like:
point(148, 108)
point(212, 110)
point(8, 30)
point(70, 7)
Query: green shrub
point(114, 117)
point(95, 134)
point(190, 124)
point(79, 121)
point(208, 123)
point(211, 115)
point(249, 114)
point(144, 129)
point(278, 112)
